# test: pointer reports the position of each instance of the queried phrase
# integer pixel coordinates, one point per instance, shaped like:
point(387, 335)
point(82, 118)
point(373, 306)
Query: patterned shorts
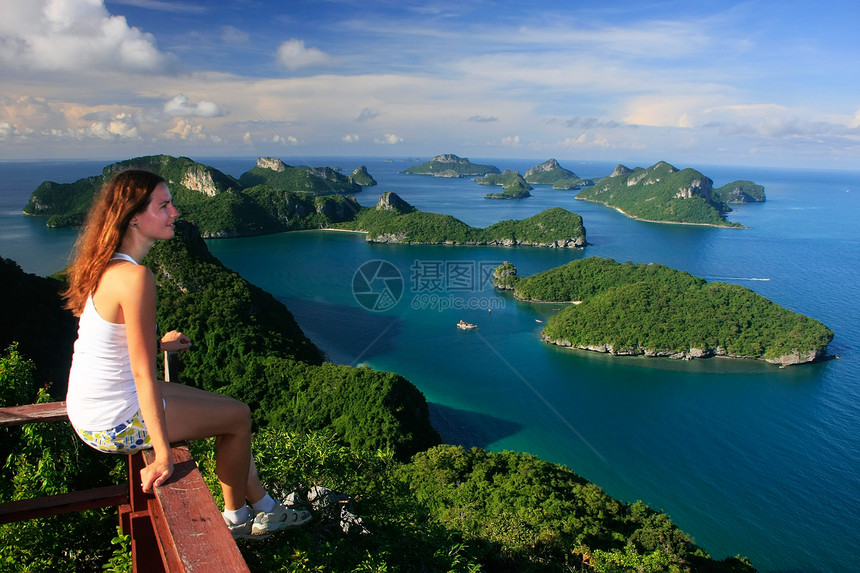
point(128, 437)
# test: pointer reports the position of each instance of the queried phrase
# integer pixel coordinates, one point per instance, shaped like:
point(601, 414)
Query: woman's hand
point(155, 474)
point(175, 341)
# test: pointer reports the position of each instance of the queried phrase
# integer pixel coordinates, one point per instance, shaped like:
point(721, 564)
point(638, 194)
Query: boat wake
point(737, 278)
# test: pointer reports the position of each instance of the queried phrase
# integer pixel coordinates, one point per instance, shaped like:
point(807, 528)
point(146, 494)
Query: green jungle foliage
point(513, 185)
point(261, 209)
point(740, 192)
point(264, 201)
point(450, 165)
point(361, 177)
point(515, 190)
point(246, 344)
point(505, 276)
point(665, 317)
point(65, 204)
point(581, 279)
point(46, 459)
point(636, 307)
point(349, 429)
point(571, 184)
point(317, 181)
point(412, 226)
point(507, 179)
point(519, 513)
point(547, 226)
point(175, 170)
point(653, 194)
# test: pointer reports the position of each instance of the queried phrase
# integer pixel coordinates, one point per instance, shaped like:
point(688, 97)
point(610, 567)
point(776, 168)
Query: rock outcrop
point(545, 167)
point(199, 178)
point(689, 354)
point(620, 170)
point(272, 163)
point(361, 177)
point(390, 201)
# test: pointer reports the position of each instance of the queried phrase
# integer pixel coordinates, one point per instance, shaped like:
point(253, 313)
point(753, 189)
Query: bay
point(748, 458)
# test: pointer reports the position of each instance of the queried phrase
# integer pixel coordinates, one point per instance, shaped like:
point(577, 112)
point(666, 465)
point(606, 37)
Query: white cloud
point(513, 141)
point(389, 139)
point(123, 126)
point(185, 131)
point(74, 36)
point(294, 55)
point(181, 106)
point(6, 130)
point(350, 138)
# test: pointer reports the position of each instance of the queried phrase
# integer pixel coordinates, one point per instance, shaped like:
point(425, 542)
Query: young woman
point(115, 401)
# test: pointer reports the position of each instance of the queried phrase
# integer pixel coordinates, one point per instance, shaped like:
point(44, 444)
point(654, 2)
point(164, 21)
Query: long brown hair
point(122, 197)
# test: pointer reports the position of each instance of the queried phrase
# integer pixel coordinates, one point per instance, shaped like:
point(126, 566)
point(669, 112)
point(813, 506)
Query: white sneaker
point(280, 518)
point(241, 530)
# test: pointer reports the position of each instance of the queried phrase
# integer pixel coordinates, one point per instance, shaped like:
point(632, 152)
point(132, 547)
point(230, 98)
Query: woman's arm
point(138, 309)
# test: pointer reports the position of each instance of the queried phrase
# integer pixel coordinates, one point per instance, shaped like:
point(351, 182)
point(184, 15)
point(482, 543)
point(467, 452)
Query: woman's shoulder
point(127, 275)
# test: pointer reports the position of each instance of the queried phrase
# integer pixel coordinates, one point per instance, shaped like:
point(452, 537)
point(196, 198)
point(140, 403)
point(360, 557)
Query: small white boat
point(463, 325)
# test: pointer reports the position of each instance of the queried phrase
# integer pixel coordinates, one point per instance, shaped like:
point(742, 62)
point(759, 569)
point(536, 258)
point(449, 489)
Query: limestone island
point(393, 220)
point(513, 185)
point(653, 310)
point(449, 165)
point(271, 197)
point(664, 194)
point(550, 172)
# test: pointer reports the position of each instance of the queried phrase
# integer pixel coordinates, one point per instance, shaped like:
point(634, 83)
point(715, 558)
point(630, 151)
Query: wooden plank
point(19, 415)
point(22, 510)
point(191, 531)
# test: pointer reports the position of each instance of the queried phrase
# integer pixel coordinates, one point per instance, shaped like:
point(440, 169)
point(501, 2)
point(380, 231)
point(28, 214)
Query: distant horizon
point(296, 161)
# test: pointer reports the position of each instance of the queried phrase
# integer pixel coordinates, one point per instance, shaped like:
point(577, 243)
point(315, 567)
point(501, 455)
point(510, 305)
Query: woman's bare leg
point(194, 414)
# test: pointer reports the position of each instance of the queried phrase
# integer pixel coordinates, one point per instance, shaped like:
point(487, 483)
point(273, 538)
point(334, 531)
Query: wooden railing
point(178, 528)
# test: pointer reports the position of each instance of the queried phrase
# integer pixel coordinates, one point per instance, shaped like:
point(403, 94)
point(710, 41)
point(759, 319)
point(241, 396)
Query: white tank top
point(101, 393)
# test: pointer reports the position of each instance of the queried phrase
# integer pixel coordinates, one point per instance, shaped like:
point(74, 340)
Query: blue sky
point(734, 83)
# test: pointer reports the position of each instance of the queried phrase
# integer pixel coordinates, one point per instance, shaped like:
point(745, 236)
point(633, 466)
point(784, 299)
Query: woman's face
point(156, 221)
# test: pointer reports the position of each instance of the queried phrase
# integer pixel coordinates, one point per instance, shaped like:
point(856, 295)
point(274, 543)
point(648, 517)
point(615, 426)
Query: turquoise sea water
point(748, 458)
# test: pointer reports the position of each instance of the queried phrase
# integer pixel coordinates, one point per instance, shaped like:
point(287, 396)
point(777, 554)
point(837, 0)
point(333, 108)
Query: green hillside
point(512, 183)
point(449, 165)
point(655, 310)
point(661, 193)
point(263, 200)
point(395, 221)
point(423, 506)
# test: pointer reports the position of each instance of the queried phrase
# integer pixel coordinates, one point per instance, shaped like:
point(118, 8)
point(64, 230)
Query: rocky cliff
point(790, 359)
point(199, 178)
point(272, 163)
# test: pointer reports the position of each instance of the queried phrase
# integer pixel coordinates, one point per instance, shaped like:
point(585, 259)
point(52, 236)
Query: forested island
point(662, 193)
point(450, 165)
point(393, 220)
point(274, 197)
point(653, 310)
point(550, 172)
point(424, 506)
point(269, 198)
point(512, 183)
